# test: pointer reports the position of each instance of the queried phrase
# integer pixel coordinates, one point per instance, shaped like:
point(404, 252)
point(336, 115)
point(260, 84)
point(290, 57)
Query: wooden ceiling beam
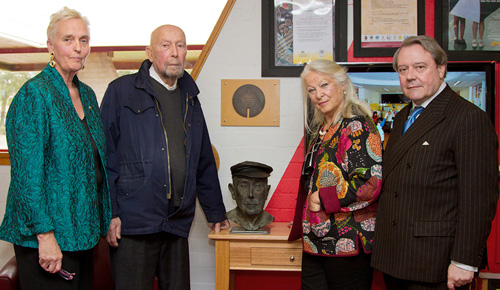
point(23, 67)
point(119, 65)
point(93, 48)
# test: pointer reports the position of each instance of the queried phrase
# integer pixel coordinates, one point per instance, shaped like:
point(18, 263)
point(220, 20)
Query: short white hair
point(63, 14)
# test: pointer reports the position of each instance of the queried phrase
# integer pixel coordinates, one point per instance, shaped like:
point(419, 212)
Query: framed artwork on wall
point(468, 30)
point(294, 34)
point(381, 26)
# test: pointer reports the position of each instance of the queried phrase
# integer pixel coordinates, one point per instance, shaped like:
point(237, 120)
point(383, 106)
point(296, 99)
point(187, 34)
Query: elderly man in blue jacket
point(159, 160)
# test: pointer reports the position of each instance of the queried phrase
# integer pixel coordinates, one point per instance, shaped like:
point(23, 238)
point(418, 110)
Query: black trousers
point(33, 277)
point(393, 283)
point(139, 258)
point(325, 273)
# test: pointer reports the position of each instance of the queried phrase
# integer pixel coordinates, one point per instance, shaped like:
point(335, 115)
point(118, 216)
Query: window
point(10, 83)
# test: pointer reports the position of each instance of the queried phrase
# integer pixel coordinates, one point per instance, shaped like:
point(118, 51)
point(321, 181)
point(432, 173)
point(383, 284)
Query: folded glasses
point(308, 166)
point(66, 275)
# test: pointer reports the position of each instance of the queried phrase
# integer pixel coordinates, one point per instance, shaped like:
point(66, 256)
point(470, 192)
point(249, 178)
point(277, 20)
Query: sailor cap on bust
point(251, 169)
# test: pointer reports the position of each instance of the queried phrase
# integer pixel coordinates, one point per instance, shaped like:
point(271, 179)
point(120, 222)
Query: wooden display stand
point(271, 252)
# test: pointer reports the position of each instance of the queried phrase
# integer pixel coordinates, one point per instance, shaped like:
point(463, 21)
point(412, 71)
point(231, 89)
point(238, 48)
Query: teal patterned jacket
point(53, 183)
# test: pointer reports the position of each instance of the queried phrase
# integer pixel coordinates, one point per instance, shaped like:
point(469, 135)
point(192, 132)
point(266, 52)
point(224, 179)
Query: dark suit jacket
point(439, 190)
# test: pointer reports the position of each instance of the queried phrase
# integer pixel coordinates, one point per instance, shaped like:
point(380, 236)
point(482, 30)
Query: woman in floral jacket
point(340, 184)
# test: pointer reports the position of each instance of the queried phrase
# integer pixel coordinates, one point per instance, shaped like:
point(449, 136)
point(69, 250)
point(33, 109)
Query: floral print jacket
point(348, 175)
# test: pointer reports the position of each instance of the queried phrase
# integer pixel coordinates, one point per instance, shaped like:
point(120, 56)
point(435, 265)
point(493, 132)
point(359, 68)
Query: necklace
point(323, 133)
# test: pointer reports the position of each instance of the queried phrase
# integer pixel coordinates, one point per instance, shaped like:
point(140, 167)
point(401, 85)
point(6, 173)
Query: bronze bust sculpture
point(250, 191)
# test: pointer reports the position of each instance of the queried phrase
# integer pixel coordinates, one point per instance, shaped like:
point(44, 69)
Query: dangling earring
point(52, 63)
point(83, 67)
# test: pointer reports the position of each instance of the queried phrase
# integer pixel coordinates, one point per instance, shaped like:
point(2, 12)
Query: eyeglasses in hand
point(66, 275)
point(308, 166)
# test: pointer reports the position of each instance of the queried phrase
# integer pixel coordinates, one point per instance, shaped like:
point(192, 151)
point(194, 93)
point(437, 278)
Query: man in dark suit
point(439, 189)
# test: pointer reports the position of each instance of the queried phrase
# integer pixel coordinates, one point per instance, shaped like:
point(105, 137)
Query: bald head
point(165, 29)
point(167, 51)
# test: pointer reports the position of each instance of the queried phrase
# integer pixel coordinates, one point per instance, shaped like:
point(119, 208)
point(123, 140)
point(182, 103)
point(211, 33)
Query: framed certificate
point(295, 33)
point(381, 26)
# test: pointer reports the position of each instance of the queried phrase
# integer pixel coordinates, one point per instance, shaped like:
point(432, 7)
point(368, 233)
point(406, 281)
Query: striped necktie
point(416, 111)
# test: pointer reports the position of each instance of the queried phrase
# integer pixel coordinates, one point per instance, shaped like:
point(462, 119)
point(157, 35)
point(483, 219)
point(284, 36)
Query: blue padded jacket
point(138, 158)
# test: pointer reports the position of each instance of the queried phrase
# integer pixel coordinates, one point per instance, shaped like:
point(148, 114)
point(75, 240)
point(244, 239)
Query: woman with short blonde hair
point(58, 203)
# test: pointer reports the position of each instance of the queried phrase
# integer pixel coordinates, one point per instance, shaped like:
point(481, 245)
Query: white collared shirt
point(429, 100)
point(156, 77)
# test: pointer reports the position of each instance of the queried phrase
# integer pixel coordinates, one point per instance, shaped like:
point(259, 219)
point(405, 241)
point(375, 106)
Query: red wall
point(493, 245)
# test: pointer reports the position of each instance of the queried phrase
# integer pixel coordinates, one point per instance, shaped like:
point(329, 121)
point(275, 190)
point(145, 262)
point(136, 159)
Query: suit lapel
point(431, 116)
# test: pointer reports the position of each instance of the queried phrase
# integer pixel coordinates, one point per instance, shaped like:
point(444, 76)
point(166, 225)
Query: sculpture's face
point(250, 194)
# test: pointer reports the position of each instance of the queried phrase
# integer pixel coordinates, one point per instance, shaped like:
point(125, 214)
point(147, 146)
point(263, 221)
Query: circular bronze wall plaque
point(248, 101)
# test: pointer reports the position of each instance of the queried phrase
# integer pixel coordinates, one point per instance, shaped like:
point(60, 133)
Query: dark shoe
point(458, 46)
